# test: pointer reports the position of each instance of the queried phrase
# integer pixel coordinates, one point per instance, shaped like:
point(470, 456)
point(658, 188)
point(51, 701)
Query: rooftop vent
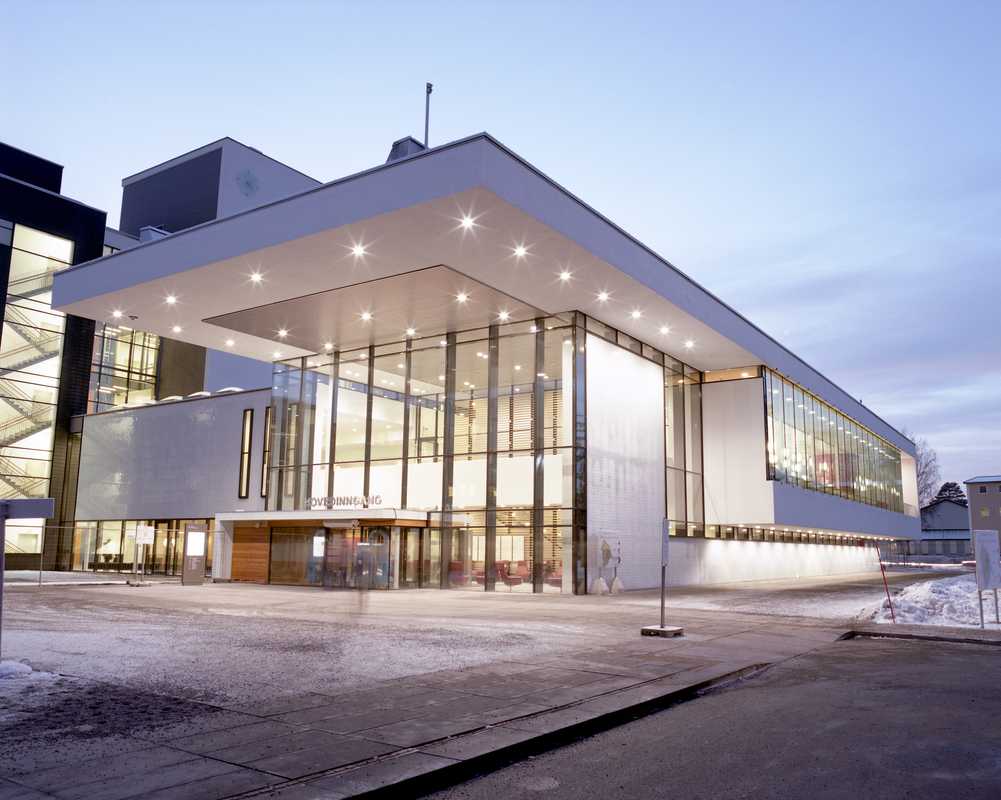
point(404, 147)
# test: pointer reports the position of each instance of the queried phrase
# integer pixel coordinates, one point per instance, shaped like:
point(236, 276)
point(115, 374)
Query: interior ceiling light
point(256, 277)
point(517, 366)
point(366, 316)
point(277, 354)
point(565, 275)
point(170, 299)
point(328, 345)
point(602, 297)
point(635, 313)
point(461, 297)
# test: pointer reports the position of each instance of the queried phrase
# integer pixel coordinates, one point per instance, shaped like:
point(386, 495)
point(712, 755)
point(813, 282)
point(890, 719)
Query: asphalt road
point(859, 719)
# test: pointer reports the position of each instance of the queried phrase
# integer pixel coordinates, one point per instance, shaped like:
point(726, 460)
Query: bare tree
point(926, 464)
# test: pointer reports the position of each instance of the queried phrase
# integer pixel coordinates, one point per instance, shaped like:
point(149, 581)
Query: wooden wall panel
point(250, 554)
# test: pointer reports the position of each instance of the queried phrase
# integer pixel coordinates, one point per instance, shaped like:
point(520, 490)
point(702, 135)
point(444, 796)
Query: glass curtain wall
point(124, 367)
point(813, 445)
point(30, 357)
point(475, 426)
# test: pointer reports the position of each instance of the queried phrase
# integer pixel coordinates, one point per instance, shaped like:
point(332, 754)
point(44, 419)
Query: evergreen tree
point(950, 490)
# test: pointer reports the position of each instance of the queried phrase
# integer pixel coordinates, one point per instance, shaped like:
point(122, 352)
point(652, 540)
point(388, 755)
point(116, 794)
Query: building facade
point(477, 383)
point(984, 495)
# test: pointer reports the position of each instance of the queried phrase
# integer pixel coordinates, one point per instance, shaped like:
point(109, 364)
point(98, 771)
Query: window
point(266, 459)
point(247, 435)
point(810, 444)
point(982, 489)
point(985, 512)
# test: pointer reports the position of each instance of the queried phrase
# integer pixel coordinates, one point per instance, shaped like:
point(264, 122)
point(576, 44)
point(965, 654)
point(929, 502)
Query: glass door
point(410, 558)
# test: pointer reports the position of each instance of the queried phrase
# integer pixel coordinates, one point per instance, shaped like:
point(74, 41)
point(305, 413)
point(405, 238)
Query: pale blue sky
point(831, 170)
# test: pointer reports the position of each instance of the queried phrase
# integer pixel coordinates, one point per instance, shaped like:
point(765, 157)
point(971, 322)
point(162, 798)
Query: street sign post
point(145, 535)
point(193, 566)
point(31, 508)
point(663, 629)
point(987, 551)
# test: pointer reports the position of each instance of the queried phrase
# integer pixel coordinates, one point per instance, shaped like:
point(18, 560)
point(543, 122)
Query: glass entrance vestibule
point(485, 430)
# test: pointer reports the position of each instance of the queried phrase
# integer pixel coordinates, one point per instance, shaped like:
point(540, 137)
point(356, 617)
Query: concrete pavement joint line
point(460, 768)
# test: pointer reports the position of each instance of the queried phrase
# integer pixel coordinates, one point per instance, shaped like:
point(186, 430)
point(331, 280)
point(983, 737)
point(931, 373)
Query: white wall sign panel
point(625, 466)
point(172, 460)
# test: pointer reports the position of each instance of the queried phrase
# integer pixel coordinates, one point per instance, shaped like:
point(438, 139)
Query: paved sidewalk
point(426, 727)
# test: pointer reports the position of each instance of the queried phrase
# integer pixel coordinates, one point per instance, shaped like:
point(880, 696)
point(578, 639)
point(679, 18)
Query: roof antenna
point(427, 111)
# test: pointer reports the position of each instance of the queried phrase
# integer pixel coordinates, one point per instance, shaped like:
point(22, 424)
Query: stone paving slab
point(412, 731)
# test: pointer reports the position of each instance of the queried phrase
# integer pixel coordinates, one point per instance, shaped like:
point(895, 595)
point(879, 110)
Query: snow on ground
point(946, 601)
point(13, 669)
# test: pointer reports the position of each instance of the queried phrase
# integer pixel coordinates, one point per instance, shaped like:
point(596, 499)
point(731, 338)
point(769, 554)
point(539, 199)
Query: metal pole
point(997, 617)
point(41, 555)
point(3, 546)
point(663, 594)
point(427, 112)
point(980, 597)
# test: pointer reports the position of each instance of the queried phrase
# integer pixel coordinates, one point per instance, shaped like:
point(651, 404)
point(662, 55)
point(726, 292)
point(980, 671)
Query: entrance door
point(410, 558)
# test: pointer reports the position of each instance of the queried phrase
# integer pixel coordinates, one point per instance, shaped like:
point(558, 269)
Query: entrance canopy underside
point(473, 207)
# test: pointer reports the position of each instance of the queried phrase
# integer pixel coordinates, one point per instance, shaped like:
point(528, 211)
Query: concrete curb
point(935, 634)
point(418, 770)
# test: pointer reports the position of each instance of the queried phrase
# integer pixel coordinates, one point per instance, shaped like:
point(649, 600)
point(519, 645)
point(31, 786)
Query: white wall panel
point(172, 460)
point(736, 484)
point(625, 464)
point(708, 561)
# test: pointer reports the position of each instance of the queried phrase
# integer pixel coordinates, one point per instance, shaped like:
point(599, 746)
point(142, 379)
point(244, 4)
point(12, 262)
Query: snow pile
point(946, 601)
point(13, 669)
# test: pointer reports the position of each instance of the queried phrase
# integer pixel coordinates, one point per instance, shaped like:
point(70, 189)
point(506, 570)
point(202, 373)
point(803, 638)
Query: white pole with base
point(663, 629)
point(35, 508)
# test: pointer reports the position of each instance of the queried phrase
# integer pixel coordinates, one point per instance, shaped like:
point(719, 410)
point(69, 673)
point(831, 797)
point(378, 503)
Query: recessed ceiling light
point(282, 332)
point(602, 297)
point(689, 344)
point(117, 314)
point(401, 366)
point(635, 313)
point(565, 275)
point(358, 250)
point(256, 277)
point(472, 386)
point(411, 332)
point(230, 343)
point(467, 222)
point(520, 251)
point(461, 297)
point(176, 329)
point(366, 316)
point(665, 330)
point(328, 345)
point(517, 366)
point(504, 316)
point(277, 354)
point(441, 377)
point(170, 299)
